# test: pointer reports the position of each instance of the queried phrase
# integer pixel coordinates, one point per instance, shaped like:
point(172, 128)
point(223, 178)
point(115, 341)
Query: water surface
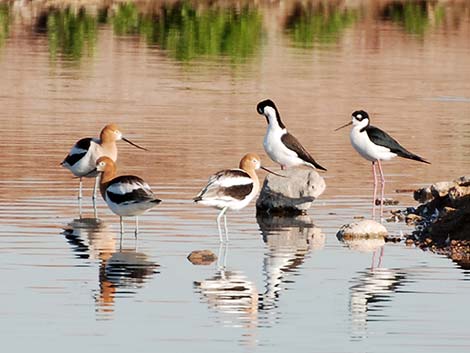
point(183, 80)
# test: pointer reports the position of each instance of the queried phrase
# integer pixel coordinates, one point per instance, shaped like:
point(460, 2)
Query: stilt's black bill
point(350, 123)
point(270, 171)
point(133, 144)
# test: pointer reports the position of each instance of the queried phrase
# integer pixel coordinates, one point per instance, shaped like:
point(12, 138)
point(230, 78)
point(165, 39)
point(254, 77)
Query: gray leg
point(97, 181)
point(122, 225)
point(225, 227)
point(218, 223)
point(136, 226)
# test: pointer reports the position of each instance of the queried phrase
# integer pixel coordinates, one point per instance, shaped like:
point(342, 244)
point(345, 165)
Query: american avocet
point(126, 195)
point(232, 188)
point(375, 145)
point(281, 146)
point(81, 160)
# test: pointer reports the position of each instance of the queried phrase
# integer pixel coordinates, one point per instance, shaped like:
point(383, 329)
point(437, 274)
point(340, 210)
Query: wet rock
point(412, 219)
point(291, 195)
point(442, 223)
point(363, 229)
point(423, 195)
point(202, 257)
point(440, 189)
point(364, 236)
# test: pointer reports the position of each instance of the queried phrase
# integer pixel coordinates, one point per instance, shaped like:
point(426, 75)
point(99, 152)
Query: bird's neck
point(109, 149)
point(275, 129)
point(254, 177)
point(274, 120)
point(106, 177)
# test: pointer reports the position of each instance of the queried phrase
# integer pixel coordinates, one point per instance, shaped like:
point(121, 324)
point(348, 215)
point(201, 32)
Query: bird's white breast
point(276, 150)
point(366, 148)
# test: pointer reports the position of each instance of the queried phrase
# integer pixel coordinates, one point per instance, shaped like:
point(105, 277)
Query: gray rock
point(293, 194)
point(441, 188)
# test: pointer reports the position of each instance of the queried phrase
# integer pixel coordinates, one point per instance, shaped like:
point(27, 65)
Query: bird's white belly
point(129, 209)
point(278, 152)
point(368, 150)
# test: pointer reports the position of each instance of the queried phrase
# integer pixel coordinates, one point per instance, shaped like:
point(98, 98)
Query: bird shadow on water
point(236, 299)
point(122, 271)
point(373, 288)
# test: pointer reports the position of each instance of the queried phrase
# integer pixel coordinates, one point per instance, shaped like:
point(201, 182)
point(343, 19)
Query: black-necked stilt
point(232, 188)
point(281, 146)
point(375, 145)
point(81, 160)
point(126, 195)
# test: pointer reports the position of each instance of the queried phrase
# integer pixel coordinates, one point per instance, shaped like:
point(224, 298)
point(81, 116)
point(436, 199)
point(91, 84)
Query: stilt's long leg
point(122, 225)
point(382, 178)
point(379, 264)
point(218, 223)
point(374, 172)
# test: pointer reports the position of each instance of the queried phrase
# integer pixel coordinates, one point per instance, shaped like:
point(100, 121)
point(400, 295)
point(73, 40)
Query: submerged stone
point(365, 229)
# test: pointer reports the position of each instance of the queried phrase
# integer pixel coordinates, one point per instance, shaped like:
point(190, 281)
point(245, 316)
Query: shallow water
point(183, 80)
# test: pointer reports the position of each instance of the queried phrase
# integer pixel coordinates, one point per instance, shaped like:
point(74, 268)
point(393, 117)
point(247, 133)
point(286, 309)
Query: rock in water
point(291, 195)
point(366, 228)
point(202, 257)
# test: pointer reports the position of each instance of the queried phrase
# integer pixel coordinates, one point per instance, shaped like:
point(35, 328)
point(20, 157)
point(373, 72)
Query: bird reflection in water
point(230, 293)
point(121, 271)
point(289, 240)
point(236, 299)
point(373, 288)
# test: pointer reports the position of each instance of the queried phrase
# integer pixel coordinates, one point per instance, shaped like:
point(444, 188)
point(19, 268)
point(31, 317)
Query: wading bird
point(81, 159)
point(282, 147)
point(232, 188)
point(126, 195)
point(375, 145)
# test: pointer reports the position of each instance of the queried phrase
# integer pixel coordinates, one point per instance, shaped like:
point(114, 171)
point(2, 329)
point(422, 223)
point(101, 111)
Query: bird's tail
point(156, 201)
point(318, 166)
point(414, 157)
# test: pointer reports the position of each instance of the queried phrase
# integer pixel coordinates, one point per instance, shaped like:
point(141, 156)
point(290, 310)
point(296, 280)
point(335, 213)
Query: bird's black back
point(381, 138)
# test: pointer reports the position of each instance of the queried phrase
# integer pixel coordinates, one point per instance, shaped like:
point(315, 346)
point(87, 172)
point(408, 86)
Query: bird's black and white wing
point(226, 185)
point(78, 151)
point(127, 189)
point(381, 138)
point(294, 145)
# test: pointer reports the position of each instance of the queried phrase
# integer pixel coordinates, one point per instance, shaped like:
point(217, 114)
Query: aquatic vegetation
point(188, 33)
point(4, 23)
point(323, 23)
point(415, 17)
point(71, 33)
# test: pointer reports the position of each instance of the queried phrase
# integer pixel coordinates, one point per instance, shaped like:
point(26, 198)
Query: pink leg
point(382, 178)
point(374, 172)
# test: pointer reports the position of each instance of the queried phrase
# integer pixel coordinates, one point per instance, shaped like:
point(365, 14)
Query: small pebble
point(202, 257)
